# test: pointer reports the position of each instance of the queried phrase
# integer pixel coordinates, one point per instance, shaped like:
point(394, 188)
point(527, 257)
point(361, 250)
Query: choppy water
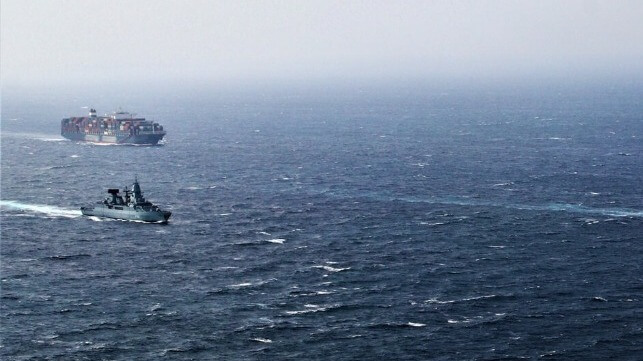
point(409, 224)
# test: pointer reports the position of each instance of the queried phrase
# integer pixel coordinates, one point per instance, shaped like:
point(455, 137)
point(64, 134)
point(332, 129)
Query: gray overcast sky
point(58, 41)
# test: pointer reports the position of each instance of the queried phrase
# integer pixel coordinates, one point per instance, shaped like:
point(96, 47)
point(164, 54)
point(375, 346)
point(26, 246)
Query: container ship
point(118, 128)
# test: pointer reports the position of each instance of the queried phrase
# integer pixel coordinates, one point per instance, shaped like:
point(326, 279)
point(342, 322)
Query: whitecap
point(435, 300)
point(416, 324)
point(310, 309)
point(332, 269)
point(250, 284)
point(262, 340)
point(466, 320)
point(277, 240)
point(432, 224)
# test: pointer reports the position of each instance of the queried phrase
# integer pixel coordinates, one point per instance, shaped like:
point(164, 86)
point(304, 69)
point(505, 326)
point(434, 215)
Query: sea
point(353, 222)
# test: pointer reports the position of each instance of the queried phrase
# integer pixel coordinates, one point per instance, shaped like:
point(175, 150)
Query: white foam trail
point(277, 240)
point(34, 136)
point(41, 208)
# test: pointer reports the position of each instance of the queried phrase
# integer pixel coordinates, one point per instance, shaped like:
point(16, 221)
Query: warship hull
point(126, 213)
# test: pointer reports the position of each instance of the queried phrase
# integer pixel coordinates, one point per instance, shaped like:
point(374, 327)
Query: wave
point(48, 210)
point(475, 298)
point(397, 325)
point(309, 308)
point(416, 324)
point(69, 257)
point(556, 207)
point(434, 224)
point(58, 167)
point(241, 286)
point(262, 340)
point(468, 202)
point(331, 269)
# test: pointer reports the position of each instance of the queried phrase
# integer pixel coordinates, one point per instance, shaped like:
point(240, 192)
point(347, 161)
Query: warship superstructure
point(118, 128)
point(131, 205)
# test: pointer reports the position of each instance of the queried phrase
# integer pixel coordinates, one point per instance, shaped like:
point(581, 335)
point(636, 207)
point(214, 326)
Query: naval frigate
point(131, 206)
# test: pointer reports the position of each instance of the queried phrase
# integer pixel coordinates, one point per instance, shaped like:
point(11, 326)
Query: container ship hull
point(126, 138)
point(118, 128)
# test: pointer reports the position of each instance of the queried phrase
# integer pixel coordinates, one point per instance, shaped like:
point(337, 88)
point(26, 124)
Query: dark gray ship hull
point(125, 138)
point(126, 213)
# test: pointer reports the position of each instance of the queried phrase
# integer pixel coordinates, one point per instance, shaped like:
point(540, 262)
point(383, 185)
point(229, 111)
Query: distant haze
point(66, 42)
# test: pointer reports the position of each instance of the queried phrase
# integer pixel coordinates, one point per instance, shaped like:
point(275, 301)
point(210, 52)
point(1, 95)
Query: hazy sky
point(58, 41)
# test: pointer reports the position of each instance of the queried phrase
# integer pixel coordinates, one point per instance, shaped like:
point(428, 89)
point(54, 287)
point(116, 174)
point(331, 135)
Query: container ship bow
point(118, 128)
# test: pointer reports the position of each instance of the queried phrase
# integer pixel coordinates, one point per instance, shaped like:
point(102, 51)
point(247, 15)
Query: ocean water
point(408, 223)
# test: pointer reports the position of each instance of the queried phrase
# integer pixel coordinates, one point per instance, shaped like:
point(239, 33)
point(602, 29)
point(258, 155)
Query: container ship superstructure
point(118, 128)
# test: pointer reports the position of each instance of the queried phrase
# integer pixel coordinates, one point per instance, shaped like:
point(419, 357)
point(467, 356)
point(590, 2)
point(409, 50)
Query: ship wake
point(43, 209)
